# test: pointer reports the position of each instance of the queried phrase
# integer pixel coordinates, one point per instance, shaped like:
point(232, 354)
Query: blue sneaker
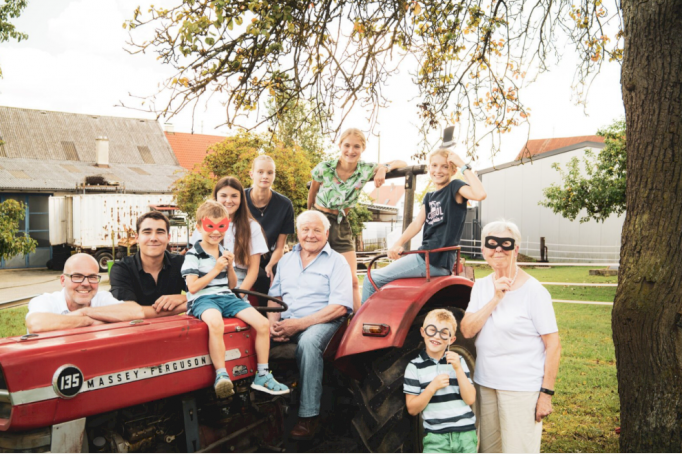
point(268, 384)
point(223, 386)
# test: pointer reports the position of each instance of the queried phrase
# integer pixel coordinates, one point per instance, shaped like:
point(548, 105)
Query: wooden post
point(410, 186)
point(543, 250)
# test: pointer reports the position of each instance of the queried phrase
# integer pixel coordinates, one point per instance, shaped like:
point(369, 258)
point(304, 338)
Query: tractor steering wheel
point(284, 307)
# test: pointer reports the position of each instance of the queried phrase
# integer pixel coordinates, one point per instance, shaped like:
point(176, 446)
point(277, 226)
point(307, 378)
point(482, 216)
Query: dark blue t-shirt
point(444, 223)
point(276, 218)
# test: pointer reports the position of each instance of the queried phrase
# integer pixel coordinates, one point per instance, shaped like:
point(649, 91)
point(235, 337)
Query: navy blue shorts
point(227, 303)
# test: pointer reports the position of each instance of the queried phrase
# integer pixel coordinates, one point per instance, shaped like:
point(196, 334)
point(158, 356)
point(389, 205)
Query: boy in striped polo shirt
point(438, 385)
point(209, 272)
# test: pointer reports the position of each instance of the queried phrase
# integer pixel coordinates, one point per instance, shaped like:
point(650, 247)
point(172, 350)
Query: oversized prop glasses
point(493, 242)
point(220, 226)
point(431, 331)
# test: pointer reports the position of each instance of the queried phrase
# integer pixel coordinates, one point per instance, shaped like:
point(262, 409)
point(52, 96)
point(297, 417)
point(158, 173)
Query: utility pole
point(379, 149)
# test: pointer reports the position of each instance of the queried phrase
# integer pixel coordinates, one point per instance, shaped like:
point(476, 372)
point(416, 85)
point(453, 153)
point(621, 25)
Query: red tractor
point(146, 385)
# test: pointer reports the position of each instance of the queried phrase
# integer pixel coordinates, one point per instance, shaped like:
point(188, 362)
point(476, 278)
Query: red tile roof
point(539, 146)
point(388, 194)
point(190, 149)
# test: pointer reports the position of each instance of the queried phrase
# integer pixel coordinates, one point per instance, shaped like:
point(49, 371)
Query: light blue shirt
point(326, 280)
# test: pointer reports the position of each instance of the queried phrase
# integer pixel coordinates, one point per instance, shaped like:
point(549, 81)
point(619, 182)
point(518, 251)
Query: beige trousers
point(507, 421)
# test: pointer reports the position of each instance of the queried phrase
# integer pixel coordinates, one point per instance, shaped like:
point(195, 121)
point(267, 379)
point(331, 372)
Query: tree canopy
point(471, 55)
point(11, 9)
point(11, 244)
point(599, 188)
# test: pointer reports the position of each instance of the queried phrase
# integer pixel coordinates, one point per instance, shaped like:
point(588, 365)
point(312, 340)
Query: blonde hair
point(353, 132)
point(262, 157)
point(211, 209)
point(443, 315)
point(444, 152)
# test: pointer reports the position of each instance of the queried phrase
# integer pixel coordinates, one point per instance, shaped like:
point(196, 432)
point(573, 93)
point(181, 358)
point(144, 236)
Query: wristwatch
point(549, 392)
point(465, 167)
point(388, 167)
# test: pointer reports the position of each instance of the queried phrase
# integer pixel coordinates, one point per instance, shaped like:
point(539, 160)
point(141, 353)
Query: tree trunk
point(647, 330)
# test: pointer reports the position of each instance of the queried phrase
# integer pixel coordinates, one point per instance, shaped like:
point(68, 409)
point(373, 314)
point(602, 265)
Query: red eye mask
point(210, 226)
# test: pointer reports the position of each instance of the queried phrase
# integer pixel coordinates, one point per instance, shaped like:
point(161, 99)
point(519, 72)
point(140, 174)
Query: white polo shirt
point(55, 303)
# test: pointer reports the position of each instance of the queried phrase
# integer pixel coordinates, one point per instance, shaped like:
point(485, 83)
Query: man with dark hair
point(152, 276)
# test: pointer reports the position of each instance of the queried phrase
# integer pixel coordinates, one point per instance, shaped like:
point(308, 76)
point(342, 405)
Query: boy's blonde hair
point(353, 132)
point(211, 209)
point(443, 315)
point(444, 152)
point(262, 157)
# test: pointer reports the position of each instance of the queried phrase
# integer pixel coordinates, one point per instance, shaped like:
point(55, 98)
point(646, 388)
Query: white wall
point(514, 193)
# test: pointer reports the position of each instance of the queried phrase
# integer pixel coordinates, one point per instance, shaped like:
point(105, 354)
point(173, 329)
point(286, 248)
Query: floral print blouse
point(335, 194)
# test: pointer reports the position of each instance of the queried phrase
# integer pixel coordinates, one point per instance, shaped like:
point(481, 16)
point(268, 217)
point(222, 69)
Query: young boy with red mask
point(209, 273)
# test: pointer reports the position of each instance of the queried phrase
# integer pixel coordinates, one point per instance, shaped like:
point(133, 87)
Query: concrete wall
point(514, 193)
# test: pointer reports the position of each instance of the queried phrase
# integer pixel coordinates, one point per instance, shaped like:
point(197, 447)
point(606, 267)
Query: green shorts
point(340, 236)
point(451, 442)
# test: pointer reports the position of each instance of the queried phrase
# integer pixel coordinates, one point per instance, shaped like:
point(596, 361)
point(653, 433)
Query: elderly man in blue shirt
point(315, 282)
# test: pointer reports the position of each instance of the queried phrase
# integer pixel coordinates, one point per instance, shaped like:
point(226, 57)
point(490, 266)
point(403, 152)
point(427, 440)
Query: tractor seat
point(280, 352)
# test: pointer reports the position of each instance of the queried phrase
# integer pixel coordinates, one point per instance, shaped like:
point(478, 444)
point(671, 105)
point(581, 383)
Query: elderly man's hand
point(286, 328)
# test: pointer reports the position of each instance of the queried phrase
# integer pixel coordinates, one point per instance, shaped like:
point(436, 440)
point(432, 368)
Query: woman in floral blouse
point(335, 190)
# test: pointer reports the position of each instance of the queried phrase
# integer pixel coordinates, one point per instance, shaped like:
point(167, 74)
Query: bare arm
point(276, 254)
point(42, 322)
point(312, 193)
point(125, 311)
point(409, 233)
point(417, 403)
point(251, 272)
point(552, 358)
point(381, 170)
point(475, 190)
point(473, 322)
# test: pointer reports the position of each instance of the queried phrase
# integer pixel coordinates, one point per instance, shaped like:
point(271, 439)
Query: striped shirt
point(446, 412)
point(199, 263)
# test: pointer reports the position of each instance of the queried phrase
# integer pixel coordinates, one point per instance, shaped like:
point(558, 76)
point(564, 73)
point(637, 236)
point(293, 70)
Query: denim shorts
point(227, 303)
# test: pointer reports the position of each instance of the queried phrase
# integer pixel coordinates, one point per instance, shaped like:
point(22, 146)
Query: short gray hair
point(500, 226)
point(306, 214)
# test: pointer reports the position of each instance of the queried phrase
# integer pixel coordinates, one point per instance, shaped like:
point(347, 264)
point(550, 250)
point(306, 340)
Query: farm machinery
point(146, 385)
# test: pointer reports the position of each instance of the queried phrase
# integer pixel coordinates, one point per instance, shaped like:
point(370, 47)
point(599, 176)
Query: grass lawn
point(586, 406)
point(12, 321)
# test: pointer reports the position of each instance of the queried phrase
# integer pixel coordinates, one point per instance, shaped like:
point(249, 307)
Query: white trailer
point(99, 223)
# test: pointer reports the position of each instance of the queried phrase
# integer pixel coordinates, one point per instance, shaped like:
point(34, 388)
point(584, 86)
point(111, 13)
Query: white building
point(516, 188)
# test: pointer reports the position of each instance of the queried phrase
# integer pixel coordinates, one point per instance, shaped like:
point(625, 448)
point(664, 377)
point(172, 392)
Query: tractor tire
point(102, 258)
point(382, 422)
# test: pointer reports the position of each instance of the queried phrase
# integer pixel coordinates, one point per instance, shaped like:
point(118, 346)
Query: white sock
point(263, 369)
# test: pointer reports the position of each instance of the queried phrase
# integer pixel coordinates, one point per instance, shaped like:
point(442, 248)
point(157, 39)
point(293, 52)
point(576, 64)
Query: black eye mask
point(493, 242)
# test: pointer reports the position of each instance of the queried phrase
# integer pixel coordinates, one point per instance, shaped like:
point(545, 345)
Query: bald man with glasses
point(79, 303)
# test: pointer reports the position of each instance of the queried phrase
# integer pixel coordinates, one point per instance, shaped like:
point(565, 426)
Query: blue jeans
point(412, 265)
point(311, 344)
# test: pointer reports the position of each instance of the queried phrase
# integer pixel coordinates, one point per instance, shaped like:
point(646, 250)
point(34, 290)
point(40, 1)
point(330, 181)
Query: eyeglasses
point(431, 331)
point(79, 278)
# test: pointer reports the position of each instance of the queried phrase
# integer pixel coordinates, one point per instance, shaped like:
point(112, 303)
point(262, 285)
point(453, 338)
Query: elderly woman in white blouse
point(517, 348)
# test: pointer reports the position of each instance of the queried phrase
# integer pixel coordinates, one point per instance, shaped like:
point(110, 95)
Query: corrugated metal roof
point(190, 149)
point(36, 134)
point(65, 175)
point(56, 150)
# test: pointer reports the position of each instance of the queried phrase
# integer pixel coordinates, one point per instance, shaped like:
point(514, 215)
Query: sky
point(74, 61)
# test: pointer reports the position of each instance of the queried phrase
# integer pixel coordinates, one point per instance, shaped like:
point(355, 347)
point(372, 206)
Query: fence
point(556, 252)
point(374, 244)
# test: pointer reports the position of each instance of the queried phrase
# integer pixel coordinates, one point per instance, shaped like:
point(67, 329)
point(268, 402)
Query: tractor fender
point(397, 304)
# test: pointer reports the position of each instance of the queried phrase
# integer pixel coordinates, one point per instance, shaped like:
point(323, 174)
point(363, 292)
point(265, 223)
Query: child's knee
point(262, 326)
point(215, 325)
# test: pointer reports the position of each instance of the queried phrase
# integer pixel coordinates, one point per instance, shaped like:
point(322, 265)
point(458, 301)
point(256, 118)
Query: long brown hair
point(241, 220)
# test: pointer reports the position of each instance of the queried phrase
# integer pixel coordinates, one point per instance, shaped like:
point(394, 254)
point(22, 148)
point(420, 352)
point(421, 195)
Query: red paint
point(110, 349)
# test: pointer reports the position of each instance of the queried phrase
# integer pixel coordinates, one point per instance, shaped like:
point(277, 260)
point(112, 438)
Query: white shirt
point(55, 303)
point(510, 354)
point(257, 246)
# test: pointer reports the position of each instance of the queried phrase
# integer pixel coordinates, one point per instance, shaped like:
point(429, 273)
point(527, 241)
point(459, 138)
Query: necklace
point(262, 210)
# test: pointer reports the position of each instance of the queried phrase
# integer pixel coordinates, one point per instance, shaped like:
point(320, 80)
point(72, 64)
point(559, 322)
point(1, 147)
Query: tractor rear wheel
point(382, 422)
